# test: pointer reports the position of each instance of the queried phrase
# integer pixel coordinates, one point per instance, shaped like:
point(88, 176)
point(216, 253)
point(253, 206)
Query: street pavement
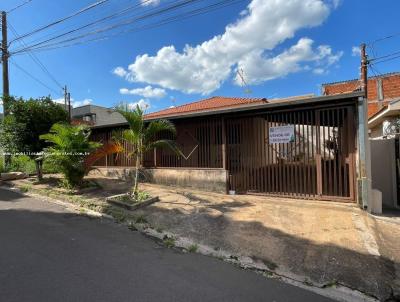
point(48, 253)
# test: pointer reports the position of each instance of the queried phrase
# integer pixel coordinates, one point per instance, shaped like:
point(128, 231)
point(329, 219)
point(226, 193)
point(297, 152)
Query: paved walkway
point(48, 253)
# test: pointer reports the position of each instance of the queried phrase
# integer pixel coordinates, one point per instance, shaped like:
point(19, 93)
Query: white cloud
point(120, 71)
point(147, 92)
point(319, 71)
point(142, 103)
point(73, 102)
point(260, 68)
point(355, 51)
point(150, 2)
point(203, 68)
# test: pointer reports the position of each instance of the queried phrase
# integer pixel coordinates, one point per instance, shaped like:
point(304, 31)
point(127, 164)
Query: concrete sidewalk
point(319, 243)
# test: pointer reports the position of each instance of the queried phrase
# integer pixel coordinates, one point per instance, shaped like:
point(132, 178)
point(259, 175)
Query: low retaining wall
point(203, 179)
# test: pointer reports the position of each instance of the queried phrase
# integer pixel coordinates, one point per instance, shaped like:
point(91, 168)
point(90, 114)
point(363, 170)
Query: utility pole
point(67, 102)
point(364, 171)
point(69, 107)
point(4, 63)
point(4, 60)
point(364, 70)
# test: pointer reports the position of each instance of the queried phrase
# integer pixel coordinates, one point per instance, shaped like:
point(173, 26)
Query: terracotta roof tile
point(212, 103)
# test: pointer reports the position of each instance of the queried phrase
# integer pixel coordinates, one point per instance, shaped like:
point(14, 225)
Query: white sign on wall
point(281, 134)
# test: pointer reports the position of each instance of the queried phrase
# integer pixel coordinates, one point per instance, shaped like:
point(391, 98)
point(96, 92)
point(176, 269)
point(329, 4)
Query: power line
point(179, 17)
point(91, 6)
point(385, 56)
point(33, 77)
point(18, 6)
point(386, 60)
point(35, 58)
point(124, 23)
point(384, 38)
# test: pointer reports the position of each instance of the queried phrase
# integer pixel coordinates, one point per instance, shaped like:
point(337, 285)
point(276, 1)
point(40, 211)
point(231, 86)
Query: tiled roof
point(209, 104)
point(369, 78)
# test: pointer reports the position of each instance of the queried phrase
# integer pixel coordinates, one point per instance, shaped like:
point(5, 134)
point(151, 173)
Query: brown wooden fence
point(318, 163)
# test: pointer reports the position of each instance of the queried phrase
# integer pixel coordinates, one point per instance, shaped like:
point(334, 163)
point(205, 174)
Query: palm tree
point(142, 137)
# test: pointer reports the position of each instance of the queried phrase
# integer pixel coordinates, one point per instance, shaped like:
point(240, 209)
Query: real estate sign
point(281, 134)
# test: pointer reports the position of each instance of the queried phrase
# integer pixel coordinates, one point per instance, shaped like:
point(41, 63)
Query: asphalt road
point(48, 253)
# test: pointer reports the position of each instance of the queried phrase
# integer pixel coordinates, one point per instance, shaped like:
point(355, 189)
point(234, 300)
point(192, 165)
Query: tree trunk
point(39, 172)
point(136, 183)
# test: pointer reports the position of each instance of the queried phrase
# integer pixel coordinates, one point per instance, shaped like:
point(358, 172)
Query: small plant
point(331, 283)
point(159, 230)
point(25, 188)
point(169, 242)
point(308, 282)
point(132, 226)
point(141, 219)
point(193, 248)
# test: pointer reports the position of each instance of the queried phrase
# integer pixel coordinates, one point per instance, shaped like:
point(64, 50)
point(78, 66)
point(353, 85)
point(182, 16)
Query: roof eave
point(261, 106)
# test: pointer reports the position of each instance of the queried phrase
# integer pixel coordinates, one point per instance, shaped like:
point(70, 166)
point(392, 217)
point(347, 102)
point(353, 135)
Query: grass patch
point(159, 230)
point(141, 219)
point(193, 248)
point(140, 197)
point(169, 242)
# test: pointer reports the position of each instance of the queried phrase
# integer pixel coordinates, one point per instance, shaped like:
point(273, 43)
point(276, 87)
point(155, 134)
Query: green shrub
point(50, 167)
point(22, 163)
point(70, 145)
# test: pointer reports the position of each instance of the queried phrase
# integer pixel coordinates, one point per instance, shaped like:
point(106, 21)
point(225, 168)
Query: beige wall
point(202, 179)
point(383, 169)
point(214, 180)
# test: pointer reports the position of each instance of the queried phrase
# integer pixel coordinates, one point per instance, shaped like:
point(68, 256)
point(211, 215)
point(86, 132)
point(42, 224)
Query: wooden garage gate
point(319, 163)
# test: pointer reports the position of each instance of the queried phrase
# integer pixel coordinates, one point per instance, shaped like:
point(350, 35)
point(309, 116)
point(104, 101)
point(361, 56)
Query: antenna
point(240, 73)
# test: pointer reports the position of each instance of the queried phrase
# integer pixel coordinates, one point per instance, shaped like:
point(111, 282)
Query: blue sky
point(282, 48)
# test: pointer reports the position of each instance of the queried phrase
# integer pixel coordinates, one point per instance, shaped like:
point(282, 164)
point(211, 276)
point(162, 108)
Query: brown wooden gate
point(319, 163)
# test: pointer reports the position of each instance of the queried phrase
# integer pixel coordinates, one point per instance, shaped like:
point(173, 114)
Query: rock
point(13, 175)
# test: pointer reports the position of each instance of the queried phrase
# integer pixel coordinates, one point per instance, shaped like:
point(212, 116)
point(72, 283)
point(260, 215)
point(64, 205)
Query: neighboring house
point(381, 90)
point(302, 147)
point(385, 123)
point(97, 116)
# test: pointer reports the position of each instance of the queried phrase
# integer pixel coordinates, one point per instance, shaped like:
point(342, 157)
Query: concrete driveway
point(48, 253)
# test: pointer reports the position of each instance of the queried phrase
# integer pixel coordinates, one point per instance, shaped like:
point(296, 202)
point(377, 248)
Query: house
point(385, 122)
point(382, 90)
point(96, 116)
point(302, 147)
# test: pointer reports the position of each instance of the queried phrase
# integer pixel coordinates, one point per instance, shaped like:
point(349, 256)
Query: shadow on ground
point(320, 264)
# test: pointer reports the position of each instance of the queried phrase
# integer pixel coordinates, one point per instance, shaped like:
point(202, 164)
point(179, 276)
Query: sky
point(253, 48)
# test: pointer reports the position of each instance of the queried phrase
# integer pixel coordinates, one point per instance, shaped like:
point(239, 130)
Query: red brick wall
point(390, 85)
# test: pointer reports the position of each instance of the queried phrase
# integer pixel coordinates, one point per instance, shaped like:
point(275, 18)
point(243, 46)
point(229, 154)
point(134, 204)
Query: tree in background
point(69, 148)
point(28, 119)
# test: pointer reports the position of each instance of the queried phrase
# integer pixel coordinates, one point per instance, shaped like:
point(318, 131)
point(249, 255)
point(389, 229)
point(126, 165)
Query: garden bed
point(125, 201)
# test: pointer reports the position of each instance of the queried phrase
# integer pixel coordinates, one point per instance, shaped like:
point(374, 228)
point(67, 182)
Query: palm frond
point(165, 143)
point(134, 117)
point(106, 149)
point(157, 127)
